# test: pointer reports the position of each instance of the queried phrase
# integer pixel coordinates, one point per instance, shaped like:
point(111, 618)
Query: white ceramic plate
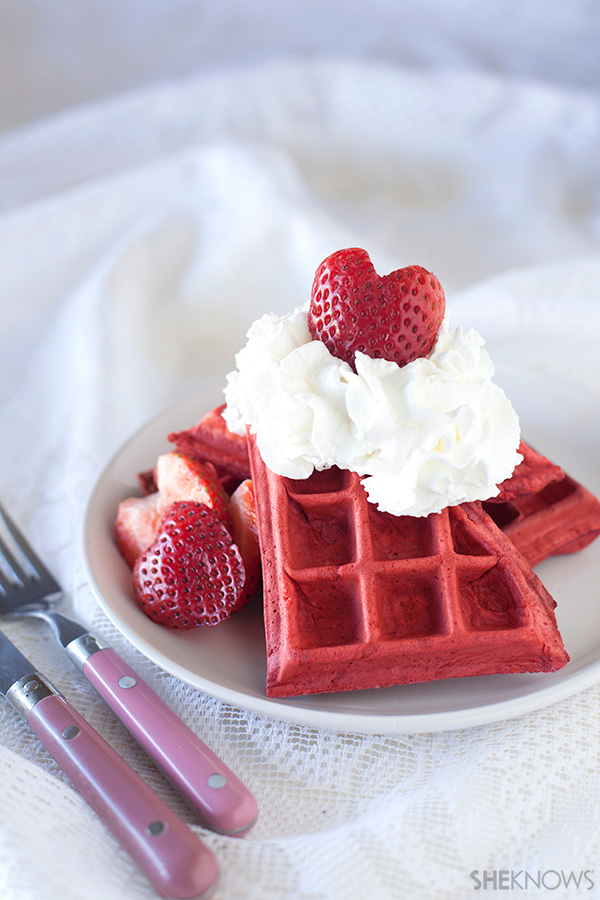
point(229, 661)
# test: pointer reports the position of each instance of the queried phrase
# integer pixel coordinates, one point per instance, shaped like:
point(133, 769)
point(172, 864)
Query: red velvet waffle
point(543, 510)
point(355, 598)
point(211, 440)
point(531, 476)
point(561, 518)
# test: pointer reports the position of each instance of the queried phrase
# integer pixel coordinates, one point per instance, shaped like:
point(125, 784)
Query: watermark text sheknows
point(524, 880)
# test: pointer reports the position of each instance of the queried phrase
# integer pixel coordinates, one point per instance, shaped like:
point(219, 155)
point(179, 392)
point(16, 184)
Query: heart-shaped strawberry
point(395, 317)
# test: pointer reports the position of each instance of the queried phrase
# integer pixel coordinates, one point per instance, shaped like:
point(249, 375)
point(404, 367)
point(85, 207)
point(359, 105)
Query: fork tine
point(5, 584)
point(35, 562)
point(10, 559)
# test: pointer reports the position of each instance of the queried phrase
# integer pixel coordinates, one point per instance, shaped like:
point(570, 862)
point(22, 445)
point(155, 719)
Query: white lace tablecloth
point(138, 240)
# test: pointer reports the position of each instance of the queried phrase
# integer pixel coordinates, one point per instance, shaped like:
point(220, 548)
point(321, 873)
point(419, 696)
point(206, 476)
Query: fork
point(27, 588)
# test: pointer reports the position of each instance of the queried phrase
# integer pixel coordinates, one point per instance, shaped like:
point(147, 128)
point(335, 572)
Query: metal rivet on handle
point(70, 731)
point(32, 685)
point(155, 828)
point(217, 780)
point(127, 681)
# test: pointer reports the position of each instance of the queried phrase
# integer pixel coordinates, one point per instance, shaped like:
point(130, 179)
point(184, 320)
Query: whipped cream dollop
point(434, 433)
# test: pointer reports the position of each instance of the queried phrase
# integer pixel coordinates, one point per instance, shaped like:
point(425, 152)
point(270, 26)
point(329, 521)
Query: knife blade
point(173, 858)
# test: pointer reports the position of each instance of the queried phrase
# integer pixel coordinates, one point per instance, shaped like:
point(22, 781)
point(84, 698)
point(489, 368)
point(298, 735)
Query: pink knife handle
point(174, 859)
point(224, 802)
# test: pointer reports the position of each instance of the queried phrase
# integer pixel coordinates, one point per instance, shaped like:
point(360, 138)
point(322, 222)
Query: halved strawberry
point(245, 535)
point(193, 573)
point(135, 525)
point(179, 477)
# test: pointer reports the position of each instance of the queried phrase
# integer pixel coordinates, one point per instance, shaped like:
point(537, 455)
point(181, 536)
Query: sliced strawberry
point(135, 525)
point(193, 574)
point(180, 477)
point(395, 317)
point(245, 535)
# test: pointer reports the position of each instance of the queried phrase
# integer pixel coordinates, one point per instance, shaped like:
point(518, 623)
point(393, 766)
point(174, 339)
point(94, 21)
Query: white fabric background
point(138, 239)
point(55, 54)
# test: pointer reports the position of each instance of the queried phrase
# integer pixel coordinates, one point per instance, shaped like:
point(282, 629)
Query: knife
point(173, 858)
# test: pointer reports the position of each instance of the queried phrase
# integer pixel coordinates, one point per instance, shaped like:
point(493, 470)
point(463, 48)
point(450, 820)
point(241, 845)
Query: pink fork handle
point(177, 863)
point(224, 802)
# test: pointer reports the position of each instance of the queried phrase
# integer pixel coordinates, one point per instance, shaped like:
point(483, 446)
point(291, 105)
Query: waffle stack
point(462, 599)
point(356, 598)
